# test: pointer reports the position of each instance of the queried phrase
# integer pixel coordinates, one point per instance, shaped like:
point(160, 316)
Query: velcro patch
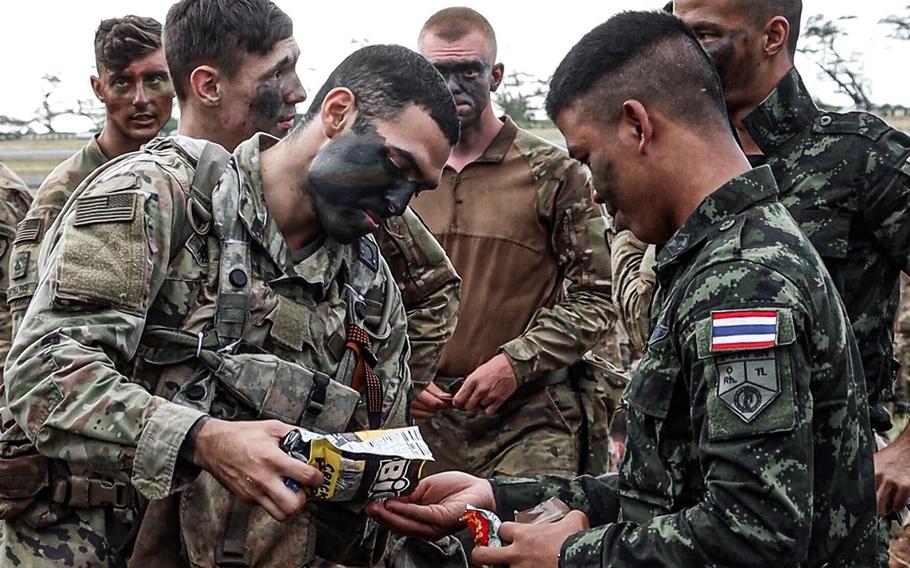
point(747, 383)
point(28, 231)
point(739, 330)
point(368, 253)
point(116, 208)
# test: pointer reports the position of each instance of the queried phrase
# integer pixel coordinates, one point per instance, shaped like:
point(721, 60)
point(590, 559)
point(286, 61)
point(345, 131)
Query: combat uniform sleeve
point(633, 279)
point(558, 336)
point(886, 209)
point(755, 443)
point(65, 381)
point(14, 203)
point(597, 497)
point(429, 288)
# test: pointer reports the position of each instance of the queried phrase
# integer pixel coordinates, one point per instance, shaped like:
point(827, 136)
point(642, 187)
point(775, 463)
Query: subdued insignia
point(20, 265)
point(4, 246)
point(368, 253)
point(197, 246)
point(747, 383)
point(28, 231)
point(116, 208)
point(738, 330)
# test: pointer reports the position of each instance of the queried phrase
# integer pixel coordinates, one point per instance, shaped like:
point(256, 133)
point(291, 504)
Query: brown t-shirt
point(520, 228)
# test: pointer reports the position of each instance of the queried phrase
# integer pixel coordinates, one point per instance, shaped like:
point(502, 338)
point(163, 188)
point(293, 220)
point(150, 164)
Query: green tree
point(521, 95)
point(819, 44)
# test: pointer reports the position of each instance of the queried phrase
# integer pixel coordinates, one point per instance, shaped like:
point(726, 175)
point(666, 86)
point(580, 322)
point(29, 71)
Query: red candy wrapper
point(484, 525)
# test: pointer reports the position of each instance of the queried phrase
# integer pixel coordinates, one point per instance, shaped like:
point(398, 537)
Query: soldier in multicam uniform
point(515, 215)
point(171, 310)
point(749, 436)
point(845, 178)
point(259, 93)
point(14, 202)
point(135, 88)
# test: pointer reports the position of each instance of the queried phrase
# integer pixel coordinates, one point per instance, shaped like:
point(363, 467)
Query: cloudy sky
point(55, 36)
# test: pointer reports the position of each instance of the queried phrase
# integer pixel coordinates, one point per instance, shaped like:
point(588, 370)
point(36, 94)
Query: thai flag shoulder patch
point(739, 330)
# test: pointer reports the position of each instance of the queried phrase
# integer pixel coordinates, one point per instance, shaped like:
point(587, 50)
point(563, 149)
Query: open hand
point(892, 476)
point(436, 506)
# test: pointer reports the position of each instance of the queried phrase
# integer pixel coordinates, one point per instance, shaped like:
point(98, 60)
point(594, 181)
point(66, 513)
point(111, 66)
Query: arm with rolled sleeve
point(633, 279)
point(558, 336)
point(64, 379)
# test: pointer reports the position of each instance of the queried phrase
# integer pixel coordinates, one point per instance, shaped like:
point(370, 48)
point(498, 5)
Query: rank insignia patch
point(747, 383)
point(119, 207)
point(741, 330)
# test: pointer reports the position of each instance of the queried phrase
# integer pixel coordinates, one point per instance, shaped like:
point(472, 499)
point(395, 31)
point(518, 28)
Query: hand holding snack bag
point(371, 465)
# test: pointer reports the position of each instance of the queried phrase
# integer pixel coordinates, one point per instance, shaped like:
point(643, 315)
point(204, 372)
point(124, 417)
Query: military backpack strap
point(233, 303)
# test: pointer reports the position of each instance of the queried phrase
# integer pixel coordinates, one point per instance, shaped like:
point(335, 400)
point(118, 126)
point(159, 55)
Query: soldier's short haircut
point(384, 80)
point(219, 33)
point(120, 41)
point(452, 24)
point(652, 57)
point(758, 13)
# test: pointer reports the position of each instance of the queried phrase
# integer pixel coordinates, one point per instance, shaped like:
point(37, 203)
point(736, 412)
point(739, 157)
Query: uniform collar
point(718, 210)
point(93, 148)
point(499, 147)
point(786, 112)
point(321, 267)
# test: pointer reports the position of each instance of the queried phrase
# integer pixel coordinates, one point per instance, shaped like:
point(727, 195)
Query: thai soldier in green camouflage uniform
point(845, 178)
point(135, 88)
point(514, 213)
point(125, 374)
point(14, 202)
point(749, 438)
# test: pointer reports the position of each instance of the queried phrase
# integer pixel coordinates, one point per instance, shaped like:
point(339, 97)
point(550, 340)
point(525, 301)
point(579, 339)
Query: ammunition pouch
point(21, 480)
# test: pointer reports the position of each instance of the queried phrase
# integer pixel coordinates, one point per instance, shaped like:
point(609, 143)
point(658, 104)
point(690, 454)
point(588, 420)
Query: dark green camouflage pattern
point(79, 392)
point(845, 178)
point(699, 485)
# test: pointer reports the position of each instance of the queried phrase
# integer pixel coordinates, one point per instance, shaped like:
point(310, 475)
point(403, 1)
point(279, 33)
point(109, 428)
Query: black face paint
point(354, 185)
point(731, 59)
point(269, 107)
point(470, 83)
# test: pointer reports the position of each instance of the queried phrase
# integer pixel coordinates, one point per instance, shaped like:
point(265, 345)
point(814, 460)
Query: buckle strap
point(365, 379)
point(232, 551)
point(83, 492)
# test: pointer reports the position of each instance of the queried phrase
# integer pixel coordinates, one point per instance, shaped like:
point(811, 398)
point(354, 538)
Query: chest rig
point(259, 384)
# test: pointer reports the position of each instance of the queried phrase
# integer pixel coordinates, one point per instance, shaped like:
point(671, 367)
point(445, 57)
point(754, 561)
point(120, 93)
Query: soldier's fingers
point(286, 466)
point(883, 497)
point(489, 556)
point(290, 502)
point(464, 393)
point(430, 401)
point(403, 523)
point(277, 428)
point(437, 392)
point(899, 500)
point(421, 413)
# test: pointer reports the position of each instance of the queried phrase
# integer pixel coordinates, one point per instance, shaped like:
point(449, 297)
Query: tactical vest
point(233, 380)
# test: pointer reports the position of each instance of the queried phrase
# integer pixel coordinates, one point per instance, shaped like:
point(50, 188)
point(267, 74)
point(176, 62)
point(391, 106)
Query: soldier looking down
point(189, 297)
point(749, 441)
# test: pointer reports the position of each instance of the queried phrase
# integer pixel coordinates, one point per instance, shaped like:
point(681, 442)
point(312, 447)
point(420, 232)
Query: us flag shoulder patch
point(747, 329)
point(116, 208)
point(28, 231)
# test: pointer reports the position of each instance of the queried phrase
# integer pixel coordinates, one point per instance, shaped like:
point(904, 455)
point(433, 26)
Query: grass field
point(49, 153)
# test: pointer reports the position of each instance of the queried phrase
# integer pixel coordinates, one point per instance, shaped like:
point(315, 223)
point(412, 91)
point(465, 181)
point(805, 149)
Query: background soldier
point(845, 178)
point(749, 438)
point(135, 88)
point(514, 214)
point(226, 95)
point(120, 374)
point(14, 201)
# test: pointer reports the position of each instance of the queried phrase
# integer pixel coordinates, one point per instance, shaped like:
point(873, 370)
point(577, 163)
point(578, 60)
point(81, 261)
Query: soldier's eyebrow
point(414, 166)
point(288, 61)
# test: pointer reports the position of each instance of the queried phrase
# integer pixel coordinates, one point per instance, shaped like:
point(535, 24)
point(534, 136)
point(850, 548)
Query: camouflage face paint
point(355, 185)
point(470, 82)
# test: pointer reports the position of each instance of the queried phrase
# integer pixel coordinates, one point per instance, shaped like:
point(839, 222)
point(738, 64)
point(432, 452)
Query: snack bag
point(372, 465)
point(484, 526)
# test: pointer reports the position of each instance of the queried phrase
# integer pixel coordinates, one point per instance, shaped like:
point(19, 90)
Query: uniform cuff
point(513, 494)
point(159, 445)
point(584, 549)
point(522, 355)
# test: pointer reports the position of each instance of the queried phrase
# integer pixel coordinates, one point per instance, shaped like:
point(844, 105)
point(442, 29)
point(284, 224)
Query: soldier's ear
point(637, 127)
point(97, 88)
point(338, 111)
point(777, 33)
point(204, 85)
point(496, 74)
